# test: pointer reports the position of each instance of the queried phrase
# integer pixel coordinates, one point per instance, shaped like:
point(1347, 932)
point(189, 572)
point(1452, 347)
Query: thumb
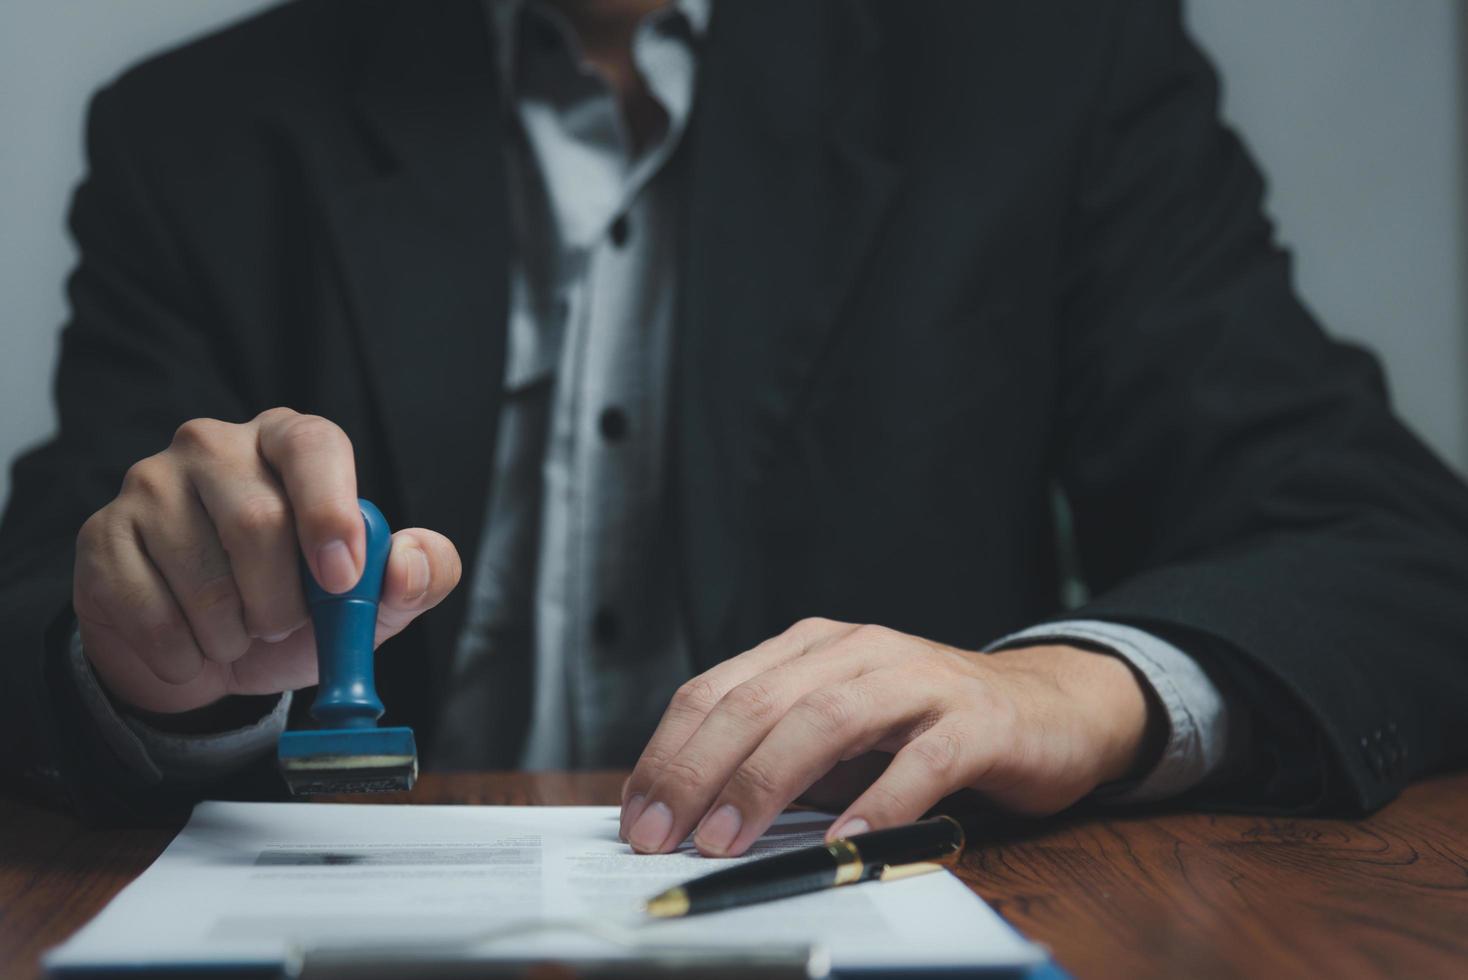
point(422, 568)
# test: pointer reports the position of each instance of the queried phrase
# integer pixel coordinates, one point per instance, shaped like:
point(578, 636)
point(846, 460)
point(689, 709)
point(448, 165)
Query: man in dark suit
point(683, 323)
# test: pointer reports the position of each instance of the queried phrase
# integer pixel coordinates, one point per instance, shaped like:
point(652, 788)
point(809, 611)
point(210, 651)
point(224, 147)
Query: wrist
point(1119, 722)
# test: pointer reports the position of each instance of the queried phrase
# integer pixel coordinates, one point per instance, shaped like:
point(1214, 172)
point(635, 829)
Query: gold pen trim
point(957, 852)
point(848, 861)
point(963, 838)
point(671, 904)
point(896, 872)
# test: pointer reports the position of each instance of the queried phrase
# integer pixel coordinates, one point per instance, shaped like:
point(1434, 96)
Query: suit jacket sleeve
point(137, 359)
point(1237, 478)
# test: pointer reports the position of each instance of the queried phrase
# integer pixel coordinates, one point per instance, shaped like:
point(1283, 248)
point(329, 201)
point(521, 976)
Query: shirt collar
point(504, 20)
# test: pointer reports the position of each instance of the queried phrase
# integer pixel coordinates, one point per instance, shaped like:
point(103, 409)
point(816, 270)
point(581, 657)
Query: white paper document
point(255, 883)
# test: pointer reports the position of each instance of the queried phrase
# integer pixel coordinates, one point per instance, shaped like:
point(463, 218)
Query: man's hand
point(1033, 729)
point(187, 585)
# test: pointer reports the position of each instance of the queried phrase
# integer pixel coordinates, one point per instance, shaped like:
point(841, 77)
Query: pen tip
point(669, 905)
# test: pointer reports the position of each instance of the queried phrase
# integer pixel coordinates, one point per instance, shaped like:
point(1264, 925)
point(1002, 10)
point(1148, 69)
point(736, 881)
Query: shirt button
point(620, 231)
point(604, 627)
point(613, 424)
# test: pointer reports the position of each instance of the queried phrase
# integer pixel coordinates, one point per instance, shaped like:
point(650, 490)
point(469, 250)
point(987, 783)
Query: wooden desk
point(1178, 895)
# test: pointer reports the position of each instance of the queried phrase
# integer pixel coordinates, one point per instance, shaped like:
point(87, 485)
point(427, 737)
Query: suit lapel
point(789, 186)
point(423, 246)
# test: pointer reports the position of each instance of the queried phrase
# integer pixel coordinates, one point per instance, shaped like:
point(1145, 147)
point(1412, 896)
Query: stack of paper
point(260, 883)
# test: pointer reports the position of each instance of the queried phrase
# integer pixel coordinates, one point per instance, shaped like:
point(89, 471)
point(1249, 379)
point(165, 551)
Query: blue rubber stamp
point(349, 753)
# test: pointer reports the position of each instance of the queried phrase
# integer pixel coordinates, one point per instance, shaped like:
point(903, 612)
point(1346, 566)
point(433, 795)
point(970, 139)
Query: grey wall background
point(53, 55)
point(1358, 110)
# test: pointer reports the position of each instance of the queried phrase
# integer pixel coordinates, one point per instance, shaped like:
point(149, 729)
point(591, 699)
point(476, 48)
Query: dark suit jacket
point(940, 257)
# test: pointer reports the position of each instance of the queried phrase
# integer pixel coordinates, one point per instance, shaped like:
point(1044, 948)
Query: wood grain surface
point(1159, 895)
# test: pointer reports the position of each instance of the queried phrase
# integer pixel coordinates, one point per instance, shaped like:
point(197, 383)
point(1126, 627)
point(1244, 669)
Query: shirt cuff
point(159, 756)
point(1197, 714)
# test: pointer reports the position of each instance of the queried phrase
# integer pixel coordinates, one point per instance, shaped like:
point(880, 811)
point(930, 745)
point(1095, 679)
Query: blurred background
point(1357, 109)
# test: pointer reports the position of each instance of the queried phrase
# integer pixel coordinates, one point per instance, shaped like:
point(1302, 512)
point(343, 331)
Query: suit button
point(1372, 755)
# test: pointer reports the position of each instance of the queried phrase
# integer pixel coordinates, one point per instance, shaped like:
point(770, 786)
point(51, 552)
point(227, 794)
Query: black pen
point(897, 852)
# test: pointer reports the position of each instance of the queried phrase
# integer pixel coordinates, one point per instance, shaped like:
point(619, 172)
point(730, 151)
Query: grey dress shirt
point(573, 568)
point(591, 319)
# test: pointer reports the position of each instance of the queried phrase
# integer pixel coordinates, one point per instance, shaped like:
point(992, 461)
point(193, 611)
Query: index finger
point(314, 460)
point(733, 730)
point(695, 699)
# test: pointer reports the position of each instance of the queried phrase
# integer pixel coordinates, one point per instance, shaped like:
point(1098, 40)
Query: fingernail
point(717, 833)
point(417, 575)
point(335, 566)
point(278, 637)
point(631, 812)
point(852, 827)
point(651, 829)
